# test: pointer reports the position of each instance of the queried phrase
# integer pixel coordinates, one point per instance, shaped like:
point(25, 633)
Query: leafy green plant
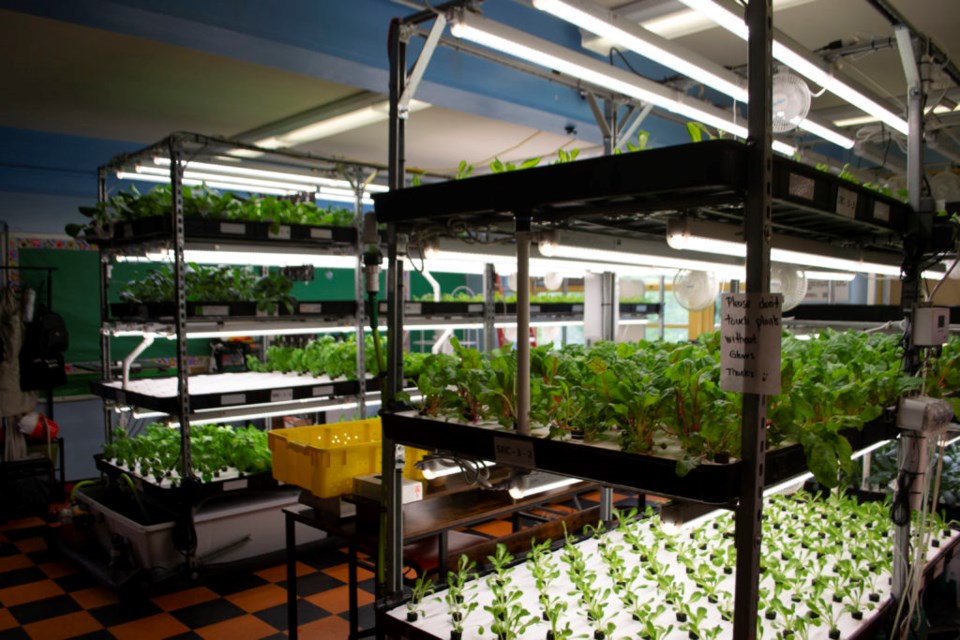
point(203, 202)
point(421, 588)
point(498, 166)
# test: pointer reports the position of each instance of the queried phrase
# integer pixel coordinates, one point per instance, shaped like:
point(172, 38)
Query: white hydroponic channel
point(837, 532)
point(223, 383)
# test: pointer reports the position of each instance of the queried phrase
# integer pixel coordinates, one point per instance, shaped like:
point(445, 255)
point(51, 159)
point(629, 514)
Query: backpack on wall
point(41, 356)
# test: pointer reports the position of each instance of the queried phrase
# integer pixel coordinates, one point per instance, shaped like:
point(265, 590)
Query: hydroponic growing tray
point(167, 310)
point(427, 309)
point(604, 462)
point(233, 231)
point(619, 191)
point(224, 390)
point(229, 480)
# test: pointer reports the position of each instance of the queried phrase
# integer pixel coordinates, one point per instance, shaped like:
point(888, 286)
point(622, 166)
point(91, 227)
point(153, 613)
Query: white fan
point(945, 186)
point(791, 282)
point(695, 290)
point(791, 101)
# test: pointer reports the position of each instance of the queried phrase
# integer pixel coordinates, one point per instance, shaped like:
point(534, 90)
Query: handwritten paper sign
point(750, 327)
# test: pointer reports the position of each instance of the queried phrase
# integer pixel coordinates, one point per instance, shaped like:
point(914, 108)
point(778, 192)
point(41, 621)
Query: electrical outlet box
point(931, 326)
point(924, 414)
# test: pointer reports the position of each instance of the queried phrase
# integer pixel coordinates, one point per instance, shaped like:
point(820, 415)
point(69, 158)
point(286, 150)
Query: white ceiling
point(67, 78)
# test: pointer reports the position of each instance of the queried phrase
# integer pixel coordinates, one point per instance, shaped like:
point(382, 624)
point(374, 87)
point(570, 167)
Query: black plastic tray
point(612, 190)
point(161, 228)
point(249, 482)
point(201, 399)
point(709, 483)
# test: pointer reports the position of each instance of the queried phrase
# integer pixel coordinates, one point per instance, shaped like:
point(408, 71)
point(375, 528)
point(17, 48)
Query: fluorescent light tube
point(726, 271)
point(815, 73)
point(634, 37)
point(554, 57)
point(827, 134)
point(833, 276)
point(216, 184)
point(534, 482)
point(337, 124)
point(240, 181)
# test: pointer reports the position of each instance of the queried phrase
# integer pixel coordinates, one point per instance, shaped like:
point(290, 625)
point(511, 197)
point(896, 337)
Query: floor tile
point(124, 611)
point(332, 628)
point(155, 627)
point(17, 633)
point(76, 581)
point(234, 583)
point(8, 549)
point(29, 592)
point(306, 612)
point(180, 599)
point(57, 569)
point(60, 627)
point(28, 545)
point(242, 628)
point(279, 572)
point(7, 621)
point(94, 597)
point(337, 600)
point(200, 615)
point(13, 562)
point(340, 572)
point(17, 527)
point(40, 609)
point(496, 528)
point(19, 576)
point(100, 634)
point(314, 583)
point(366, 616)
point(326, 558)
point(259, 598)
point(369, 586)
point(187, 635)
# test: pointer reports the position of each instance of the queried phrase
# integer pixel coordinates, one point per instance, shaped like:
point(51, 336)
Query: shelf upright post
point(757, 232)
point(105, 355)
point(390, 548)
point(910, 295)
point(489, 307)
point(359, 293)
point(180, 295)
point(523, 324)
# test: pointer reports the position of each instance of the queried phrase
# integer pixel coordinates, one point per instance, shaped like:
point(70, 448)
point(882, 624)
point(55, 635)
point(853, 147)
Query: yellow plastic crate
point(323, 459)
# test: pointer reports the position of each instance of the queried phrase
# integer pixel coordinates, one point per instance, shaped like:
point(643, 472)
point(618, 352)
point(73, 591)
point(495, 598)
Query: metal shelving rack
point(177, 234)
point(735, 182)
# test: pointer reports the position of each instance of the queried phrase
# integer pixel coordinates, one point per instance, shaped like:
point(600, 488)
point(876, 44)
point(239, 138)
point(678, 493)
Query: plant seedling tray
point(223, 390)
point(229, 481)
point(709, 483)
point(160, 228)
point(160, 310)
point(639, 308)
point(618, 190)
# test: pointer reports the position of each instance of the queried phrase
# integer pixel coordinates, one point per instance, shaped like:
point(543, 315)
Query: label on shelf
point(324, 390)
point(282, 234)
point(534, 308)
point(750, 327)
point(311, 307)
point(516, 453)
point(577, 308)
point(321, 234)
point(235, 485)
point(881, 211)
point(801, 186)
point(474, 308)
point(128, 230)
point(213, 310)
point(233, 398)
point(846, 202)
point(413, 308)
point(237, 228)
point(281, 395)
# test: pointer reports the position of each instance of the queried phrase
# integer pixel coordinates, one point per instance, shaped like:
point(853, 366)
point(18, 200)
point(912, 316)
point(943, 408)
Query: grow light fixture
point(216, 184)
point(616, 258)
point(609, 25)
point(700, 235)
point(528, 483)
point(803, 64)
point(439, 465)
point(238, 255)
point(551, 56)
point(268, 174)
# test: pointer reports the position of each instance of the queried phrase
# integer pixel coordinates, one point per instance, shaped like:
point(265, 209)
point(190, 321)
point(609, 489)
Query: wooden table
point(427, 518)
